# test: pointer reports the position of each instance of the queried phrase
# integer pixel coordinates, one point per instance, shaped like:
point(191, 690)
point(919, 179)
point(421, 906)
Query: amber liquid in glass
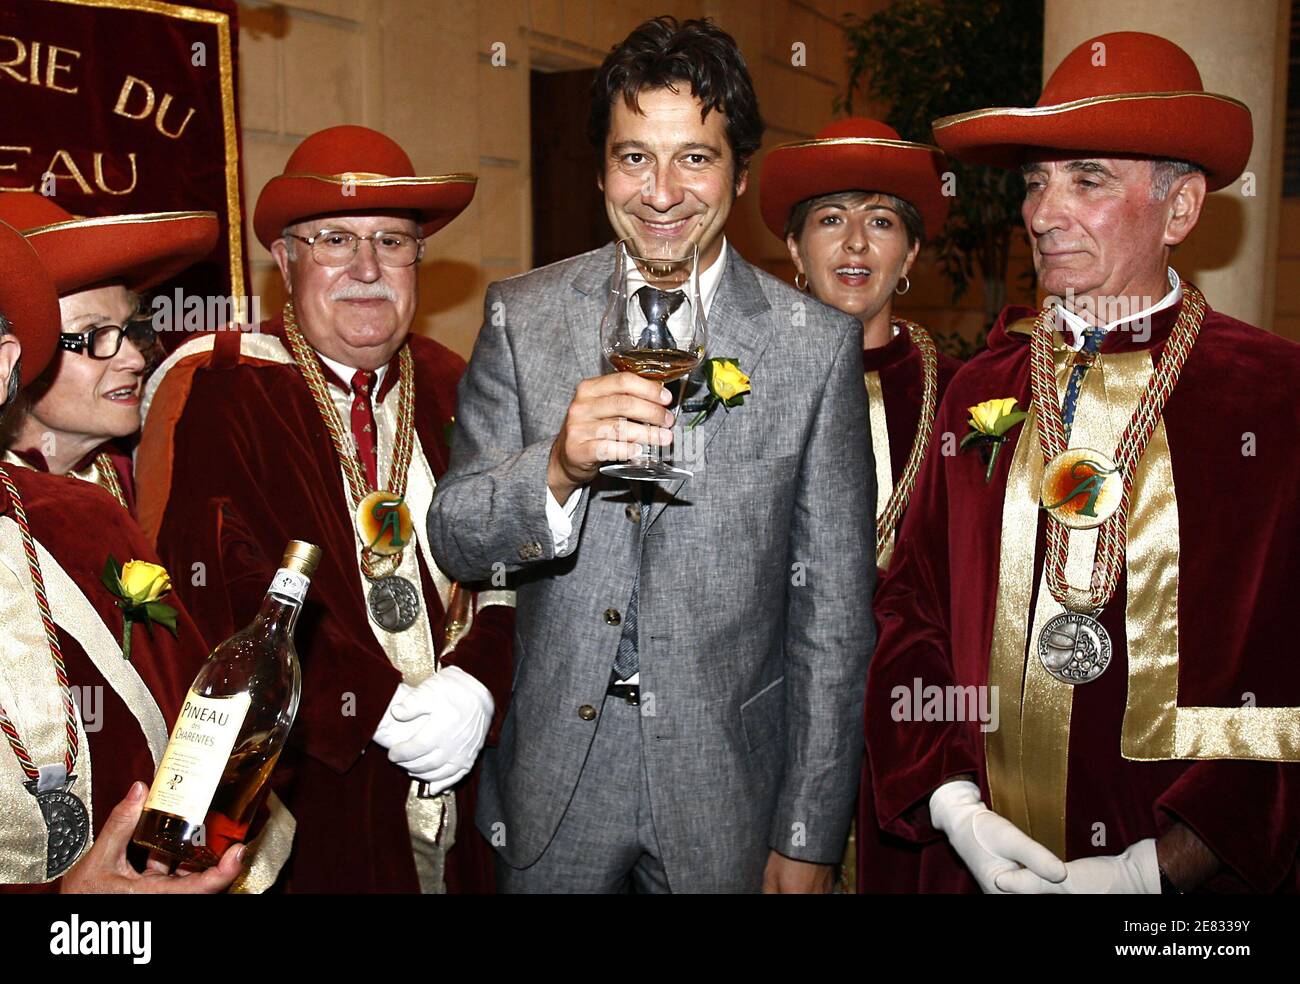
point(661, 365)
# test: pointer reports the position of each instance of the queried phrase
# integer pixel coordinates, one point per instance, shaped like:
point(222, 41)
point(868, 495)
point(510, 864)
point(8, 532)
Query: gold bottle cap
point(302, 557)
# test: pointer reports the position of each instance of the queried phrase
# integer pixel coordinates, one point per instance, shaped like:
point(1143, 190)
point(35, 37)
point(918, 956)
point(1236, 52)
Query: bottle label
point(290, 585)
point(197, 754)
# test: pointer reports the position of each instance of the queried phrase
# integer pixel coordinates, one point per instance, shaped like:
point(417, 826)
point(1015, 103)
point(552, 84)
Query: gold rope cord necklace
point(893, 511)
point(373, 565)
point(1113, 533)
point(108, 478)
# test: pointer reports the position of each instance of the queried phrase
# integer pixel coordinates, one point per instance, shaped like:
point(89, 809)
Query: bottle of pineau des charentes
point(231, 729)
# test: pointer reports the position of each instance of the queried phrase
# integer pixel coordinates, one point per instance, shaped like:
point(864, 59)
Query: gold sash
point(268, 851)
point(1027, 754)
point(432, 821)
point(884, 466)
point(31, 693)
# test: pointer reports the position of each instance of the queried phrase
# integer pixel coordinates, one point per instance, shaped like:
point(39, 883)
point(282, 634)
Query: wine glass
point(653, 326)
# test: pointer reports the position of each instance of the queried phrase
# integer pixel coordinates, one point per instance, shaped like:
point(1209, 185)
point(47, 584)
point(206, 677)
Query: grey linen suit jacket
point(756, 576)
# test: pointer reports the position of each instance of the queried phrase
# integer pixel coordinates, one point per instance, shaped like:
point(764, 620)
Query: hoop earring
point(797, 284)
point(907, 285)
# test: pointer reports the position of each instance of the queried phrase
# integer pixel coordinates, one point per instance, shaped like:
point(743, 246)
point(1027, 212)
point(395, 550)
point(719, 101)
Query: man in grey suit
point(690, 659)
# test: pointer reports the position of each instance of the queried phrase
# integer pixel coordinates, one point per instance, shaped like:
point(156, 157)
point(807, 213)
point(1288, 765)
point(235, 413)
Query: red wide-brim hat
point(855, 154)
point(1116, 94)
point(349, 170)
point(137, 250)
point(28, 302)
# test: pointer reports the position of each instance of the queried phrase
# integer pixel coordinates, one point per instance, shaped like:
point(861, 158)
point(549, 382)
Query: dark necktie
point(658, 306)
point(363, 424)
point(628, 660)
point(1091, 345)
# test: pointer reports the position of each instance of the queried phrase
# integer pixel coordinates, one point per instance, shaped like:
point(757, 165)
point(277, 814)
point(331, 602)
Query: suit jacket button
point(612, 617)
point(632, 512)
point(587, 712)
point(530, 551)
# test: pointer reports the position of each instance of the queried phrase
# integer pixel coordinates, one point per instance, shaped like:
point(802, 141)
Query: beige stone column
point(1240, 49)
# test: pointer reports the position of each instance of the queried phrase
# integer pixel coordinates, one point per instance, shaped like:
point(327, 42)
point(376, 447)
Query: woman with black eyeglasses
point(80, 417)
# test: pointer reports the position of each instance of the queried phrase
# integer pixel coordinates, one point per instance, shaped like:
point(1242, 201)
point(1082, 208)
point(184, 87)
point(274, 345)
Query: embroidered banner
point(119, 106)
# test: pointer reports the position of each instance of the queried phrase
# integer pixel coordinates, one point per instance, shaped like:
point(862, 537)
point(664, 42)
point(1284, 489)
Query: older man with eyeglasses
point(83, 413)
point(330, 424)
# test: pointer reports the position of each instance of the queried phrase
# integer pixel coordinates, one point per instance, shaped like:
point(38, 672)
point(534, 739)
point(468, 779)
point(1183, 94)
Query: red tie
point(363, 425)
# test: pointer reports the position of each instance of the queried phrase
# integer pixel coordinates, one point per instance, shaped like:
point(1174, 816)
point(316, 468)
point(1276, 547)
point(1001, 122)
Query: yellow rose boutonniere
point(989, 422)
point(139, 587)
point(727, 387)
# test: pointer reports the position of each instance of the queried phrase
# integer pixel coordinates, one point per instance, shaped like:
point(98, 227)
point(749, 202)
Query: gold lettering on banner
point(21, 56)
point(52, 65)
point(162, 115)
point(130, 83)
point(102, 185)
point(150, 100)
point(14, 166)
point(31, 59)
point(73, 172)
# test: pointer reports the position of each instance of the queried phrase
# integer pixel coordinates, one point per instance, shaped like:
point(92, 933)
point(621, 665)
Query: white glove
point(439, 727)
point(1135, 872)
point(392, 731)
point(989, 844)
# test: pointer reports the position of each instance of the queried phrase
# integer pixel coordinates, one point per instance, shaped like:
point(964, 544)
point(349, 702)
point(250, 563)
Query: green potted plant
point(926, 60)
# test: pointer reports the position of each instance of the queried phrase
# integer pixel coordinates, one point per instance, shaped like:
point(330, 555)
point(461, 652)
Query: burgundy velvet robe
point(1239, 527)
point(885, 862)
point(61, 510)
point(121, 464)
point(235, 462)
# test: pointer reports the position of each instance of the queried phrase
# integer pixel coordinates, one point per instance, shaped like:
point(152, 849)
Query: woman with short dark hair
point(854, 205)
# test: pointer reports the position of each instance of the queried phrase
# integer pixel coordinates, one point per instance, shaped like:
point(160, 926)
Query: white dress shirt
point(1078, 325)
point(560, 517)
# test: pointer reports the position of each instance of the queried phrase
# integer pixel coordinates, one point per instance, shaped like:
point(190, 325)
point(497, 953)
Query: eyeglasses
point(105, 341)
point(333, 248)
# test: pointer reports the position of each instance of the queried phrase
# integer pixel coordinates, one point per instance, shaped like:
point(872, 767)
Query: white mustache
point(358, 291)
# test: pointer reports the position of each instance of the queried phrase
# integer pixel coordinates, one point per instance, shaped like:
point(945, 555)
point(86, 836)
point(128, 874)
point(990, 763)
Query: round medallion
point(394, 603)
point(384, 523)
point(67, 826)
point(1074, 648)
point(1081, 488)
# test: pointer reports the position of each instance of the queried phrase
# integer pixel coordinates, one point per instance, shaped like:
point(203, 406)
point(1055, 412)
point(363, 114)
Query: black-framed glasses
point(105, 341)
point(336, 248)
